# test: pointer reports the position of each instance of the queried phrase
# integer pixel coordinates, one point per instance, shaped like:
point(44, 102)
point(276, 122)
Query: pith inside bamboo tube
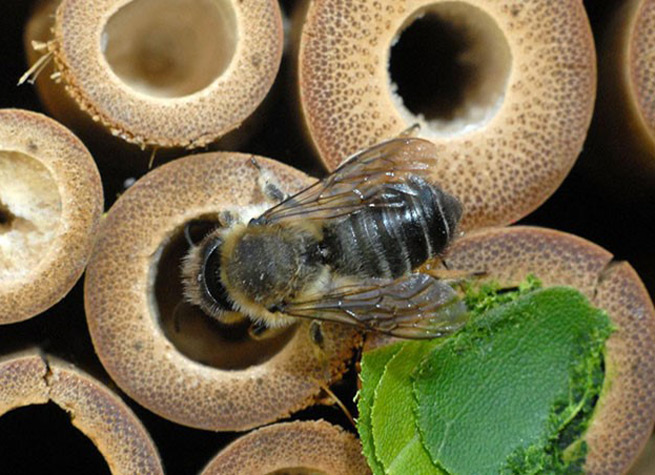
point(31, 378)
point(170, 356)
point(164, 73)
point(504, 89)
point(50, 205)
point(625, 412)
point(309, 447)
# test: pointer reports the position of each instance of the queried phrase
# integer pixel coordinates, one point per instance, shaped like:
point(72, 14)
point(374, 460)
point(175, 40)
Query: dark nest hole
point(41, 439)
point(450, 66)
point(432, 81)
point(193, 332)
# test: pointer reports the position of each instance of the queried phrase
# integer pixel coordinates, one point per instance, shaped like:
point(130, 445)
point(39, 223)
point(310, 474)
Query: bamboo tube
point(645, 465)
point(296, 448)
point(30, 378)
point(161, 73)
point(50, 206)
point(180, 365)
point(504, 89)
point(625, 413)
point(623, 132)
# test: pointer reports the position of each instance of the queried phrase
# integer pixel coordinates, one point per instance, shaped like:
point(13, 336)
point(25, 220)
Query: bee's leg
point(269, 186)
point(316, 334)
point(335, 399)
point(453, 276)
point(259, 331)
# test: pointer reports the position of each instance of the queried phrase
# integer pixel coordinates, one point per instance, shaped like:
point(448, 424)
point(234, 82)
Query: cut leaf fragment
point(516, 389)
point(373, 365)
point(398, 445)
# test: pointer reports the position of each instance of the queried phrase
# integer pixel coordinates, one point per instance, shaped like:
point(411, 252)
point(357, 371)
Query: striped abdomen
point(389, 241)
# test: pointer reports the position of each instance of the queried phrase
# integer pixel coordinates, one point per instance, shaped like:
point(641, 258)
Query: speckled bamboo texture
point(74, 172)
point(500, 171)
point(315, 446)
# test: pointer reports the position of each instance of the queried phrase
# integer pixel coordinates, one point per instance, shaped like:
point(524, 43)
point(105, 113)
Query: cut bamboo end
point(310, 447)
point(642, 67)
point(624, 416)
point(178, 363)
point(506, 94)
point(166, 73)
point(622, 136)
point(50, 206)
point(30, 378)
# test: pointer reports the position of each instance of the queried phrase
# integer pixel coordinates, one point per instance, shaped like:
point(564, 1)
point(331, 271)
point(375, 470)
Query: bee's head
point(201, 275)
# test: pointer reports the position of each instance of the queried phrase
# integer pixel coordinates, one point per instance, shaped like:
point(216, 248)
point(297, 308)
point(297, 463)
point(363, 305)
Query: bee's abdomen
point(414, 222)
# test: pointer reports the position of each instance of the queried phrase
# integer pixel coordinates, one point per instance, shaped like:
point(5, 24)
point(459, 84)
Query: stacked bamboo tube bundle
point(503, 90)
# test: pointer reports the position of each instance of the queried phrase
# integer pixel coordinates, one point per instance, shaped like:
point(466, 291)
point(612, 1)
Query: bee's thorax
point(268, 265)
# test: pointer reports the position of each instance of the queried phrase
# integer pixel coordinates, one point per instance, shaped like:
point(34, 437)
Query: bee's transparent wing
point(415, 306)
point(369, 178)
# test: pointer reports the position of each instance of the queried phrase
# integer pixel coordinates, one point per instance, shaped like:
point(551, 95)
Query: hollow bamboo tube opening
point(168, 74)
point(168, 48)
point(30, 214)
point(50, 205)
point(448, 67)
point(293, 448)
point(30, 378)
point(504, 90)
point(45, 429)
point(167, 354)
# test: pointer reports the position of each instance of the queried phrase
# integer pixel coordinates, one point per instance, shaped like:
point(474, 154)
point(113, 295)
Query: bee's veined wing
point(369, 178)
point(415, 306)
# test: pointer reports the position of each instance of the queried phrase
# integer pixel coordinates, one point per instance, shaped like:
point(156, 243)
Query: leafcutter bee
point(347, 249)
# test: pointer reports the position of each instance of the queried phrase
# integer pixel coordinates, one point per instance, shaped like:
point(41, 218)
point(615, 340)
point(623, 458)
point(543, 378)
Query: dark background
point(36, 437)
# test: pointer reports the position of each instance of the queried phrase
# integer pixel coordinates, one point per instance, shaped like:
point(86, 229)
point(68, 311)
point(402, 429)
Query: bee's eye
point(210, 276)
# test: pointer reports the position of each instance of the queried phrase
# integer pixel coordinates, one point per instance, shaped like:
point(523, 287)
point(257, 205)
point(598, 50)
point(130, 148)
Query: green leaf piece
point(372, 367)
point(397, 442)
point(513, 391)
